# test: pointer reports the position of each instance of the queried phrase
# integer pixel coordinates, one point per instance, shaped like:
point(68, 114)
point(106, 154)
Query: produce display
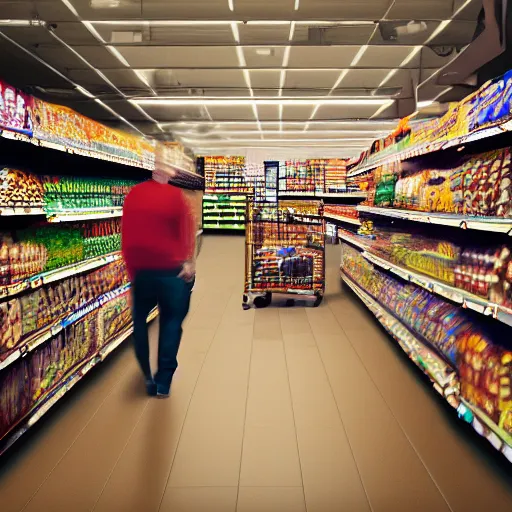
point(480, 353)
point(486, 109)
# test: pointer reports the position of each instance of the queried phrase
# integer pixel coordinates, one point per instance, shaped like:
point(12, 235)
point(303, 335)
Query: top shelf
point(432, 147)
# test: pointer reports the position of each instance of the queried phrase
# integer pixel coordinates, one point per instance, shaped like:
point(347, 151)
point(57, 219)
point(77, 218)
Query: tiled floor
point(272, 410)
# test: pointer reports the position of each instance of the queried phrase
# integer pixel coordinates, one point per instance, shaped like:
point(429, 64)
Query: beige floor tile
point(86, 466)
point(141, 473)
point(294, 321)
point(271, 499)
point(313, 401)
point(267, 325)
point(269, 401)
point(331, 477)
point(270, 458)
point(398, 381)
point(199, 499)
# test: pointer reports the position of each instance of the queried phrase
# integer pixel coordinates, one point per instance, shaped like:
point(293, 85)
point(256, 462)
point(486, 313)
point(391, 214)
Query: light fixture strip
point(194, 124)
point(231, 5)
point(239, 101)
point(297, 5)
point(370, 134)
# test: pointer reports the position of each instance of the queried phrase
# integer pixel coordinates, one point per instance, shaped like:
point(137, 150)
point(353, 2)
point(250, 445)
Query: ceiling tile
point(235, 113)
point(322, 57)
point(320, 78)
point(265, 79)
point(187, 57)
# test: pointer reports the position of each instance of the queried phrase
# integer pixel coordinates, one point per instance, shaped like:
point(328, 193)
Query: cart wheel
point(245, 307)
point(318, 301)
point(263, 301)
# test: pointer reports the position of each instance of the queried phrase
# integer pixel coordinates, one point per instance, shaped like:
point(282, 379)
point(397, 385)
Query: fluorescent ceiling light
point(215, 101)
point(411, 56)
point(116, 53)
point(292, 31)
point(379, 111)
point(286, 56)
point(383, 124)
point(105, 4)
point(358, 55)
point(370, 133)
point(231, 5)
point(241, 58)
point(343, 74)
point(236, 33)
point(84, 91)
point(22, 23)
point(461, 8)
point(297, 5)
point(438, 30)
point(264, 52)
point(388, 76)
point(71, 7)
point(216, 141)
point(90, 27)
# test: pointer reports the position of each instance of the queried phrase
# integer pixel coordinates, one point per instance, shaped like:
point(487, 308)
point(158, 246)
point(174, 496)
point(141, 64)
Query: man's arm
point(188, 227)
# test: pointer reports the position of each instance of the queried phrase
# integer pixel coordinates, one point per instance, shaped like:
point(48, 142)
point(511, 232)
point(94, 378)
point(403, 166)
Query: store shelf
point(48, 332)
point(6, 134)
point(340, 218)
point(431, 147)
point(357, 240)
point(7, 211)
point(73, 215)
point(492, 224)
point(40, 409)
point(39, 280)
point(216, 226)
point(466, 299)
point(440, 373)
point(343, 195)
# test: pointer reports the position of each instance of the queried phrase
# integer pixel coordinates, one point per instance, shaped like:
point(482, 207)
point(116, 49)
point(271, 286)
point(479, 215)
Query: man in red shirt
point(158, 244)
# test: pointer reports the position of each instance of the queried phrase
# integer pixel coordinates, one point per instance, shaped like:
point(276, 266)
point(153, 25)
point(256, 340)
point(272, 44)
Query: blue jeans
point(162, 288)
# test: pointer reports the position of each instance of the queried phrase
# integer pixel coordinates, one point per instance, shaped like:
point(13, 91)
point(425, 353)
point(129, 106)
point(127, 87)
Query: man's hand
point(188, 272)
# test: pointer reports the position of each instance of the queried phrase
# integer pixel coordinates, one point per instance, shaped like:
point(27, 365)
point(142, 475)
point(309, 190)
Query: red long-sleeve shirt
point(158, 229)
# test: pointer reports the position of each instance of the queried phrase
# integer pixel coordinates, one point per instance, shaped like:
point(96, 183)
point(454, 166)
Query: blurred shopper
point(158, 243)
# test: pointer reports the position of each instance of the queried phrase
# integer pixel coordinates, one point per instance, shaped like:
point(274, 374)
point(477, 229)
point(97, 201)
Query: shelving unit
point(466, 194)
point(64, 291)
point(493, 224)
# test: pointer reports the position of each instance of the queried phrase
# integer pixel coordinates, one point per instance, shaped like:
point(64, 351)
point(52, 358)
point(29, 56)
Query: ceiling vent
point(126, 37)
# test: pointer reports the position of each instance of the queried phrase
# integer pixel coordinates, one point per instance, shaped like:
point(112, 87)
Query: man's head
point(161, 177)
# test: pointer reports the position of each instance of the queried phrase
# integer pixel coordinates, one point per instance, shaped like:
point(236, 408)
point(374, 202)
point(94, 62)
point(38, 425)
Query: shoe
point(163, 396)
point(151, 387)
point(163, 391)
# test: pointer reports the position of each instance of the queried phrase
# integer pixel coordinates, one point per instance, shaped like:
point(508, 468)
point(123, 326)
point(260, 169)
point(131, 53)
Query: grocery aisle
point(272, 410)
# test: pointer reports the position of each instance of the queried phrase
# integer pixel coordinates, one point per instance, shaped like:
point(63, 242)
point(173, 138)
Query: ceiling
point(227, 75)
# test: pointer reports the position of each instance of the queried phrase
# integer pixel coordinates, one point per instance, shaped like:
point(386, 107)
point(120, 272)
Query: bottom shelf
point(41, 409)
point(443, 377)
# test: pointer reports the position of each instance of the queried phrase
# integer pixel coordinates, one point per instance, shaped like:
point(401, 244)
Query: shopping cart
point(285, 251)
